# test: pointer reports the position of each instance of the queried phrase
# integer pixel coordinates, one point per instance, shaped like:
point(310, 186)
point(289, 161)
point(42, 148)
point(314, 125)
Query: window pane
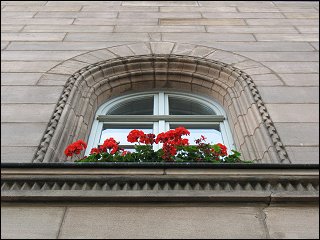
point(211, 132)
point(186, 106)
point(137, 106)
point(120, 132)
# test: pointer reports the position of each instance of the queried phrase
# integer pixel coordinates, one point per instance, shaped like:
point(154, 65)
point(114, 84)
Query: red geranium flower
point(75, 148)
point(95, 151)
point(111, 145)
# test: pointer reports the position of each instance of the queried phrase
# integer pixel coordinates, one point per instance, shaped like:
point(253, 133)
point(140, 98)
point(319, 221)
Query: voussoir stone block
point(161, 47)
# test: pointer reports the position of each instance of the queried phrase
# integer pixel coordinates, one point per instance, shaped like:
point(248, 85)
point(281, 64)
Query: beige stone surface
point(31, 222)
point(293, 222)
point(162, 222)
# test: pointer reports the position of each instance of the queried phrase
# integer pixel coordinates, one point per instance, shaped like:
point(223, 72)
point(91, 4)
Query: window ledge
point(159, 182)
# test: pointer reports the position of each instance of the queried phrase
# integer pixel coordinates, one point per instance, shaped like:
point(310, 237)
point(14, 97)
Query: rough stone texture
point(287, 222)
point(178, 222)
point(31, 222)
point(17, 154)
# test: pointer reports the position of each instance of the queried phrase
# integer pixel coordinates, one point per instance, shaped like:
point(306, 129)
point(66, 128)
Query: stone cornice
point(160, 184)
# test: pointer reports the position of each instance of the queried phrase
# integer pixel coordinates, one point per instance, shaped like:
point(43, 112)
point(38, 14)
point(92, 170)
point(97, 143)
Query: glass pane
point(212, 133)
point(120, 132)
point(137, 106)
point(186, 106)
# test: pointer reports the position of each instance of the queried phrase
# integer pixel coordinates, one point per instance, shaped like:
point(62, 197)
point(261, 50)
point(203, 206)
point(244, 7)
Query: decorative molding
point(245, 187)
point(134, 63)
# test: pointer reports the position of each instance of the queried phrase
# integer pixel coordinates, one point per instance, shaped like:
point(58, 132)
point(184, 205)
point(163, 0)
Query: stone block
point(200, 51)
point(315, 45)
point(37, 21)
point(140, 48)
point(56, 46)
point(103, 54)
point(262, 46)
point(269, 82)
point(160, 29)
point(53, 79)
point(118, 21)
point(106, 36)
point(22, 134)
point(308, 29)
point(225, 57)
point(33, 8)
point(290, 95)
point(30, 94)
point(121, 51)
point(87, 58)
point(236, 4)
point(114, 8)
point(176, 37)
point(103, 4)
point(298, 134)
point(29, 3)
point(246, 15)
point(161, 47)
point(293, 67)
point(4, 45)
point(20, 78)
point(282, 22)
point(32, 36)
point(159, 3)
point(293, 222)
point(26, 112)
point(304, 15)
point(38, 55)
point(162, 222)
point(303, 79)
point(303, 155)
point(24, 66)
point(31, 222)
point(276, 9)
point(201, 21)
point(183, 49)
point(251, 29)
point(17, 154)
point(66, 28)
point(68, 67)
point(76, 14)
point(282, 56)
point(296, 4)
point(148, 15)
point(197, 9)
point(11, 28)
point(290, 37)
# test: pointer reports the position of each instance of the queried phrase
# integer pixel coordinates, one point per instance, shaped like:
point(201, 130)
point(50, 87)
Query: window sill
point(160, 182)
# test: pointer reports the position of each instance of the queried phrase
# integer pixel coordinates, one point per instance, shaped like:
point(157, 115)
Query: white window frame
point(161, 119)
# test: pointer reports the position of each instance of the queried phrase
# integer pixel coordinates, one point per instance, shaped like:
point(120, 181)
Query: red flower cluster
point(95, 151)
point(171, 139)
point(75, 148)
point(109, 144)
point(223, 149)
point(139, 136)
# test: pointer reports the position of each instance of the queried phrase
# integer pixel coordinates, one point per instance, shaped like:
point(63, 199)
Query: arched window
point(156, 112)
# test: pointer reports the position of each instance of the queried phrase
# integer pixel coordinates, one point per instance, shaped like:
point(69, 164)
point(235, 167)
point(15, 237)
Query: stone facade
point(259, 60)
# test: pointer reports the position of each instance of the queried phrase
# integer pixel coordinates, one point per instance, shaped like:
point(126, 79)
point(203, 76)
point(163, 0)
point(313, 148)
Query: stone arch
point(106, 73)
